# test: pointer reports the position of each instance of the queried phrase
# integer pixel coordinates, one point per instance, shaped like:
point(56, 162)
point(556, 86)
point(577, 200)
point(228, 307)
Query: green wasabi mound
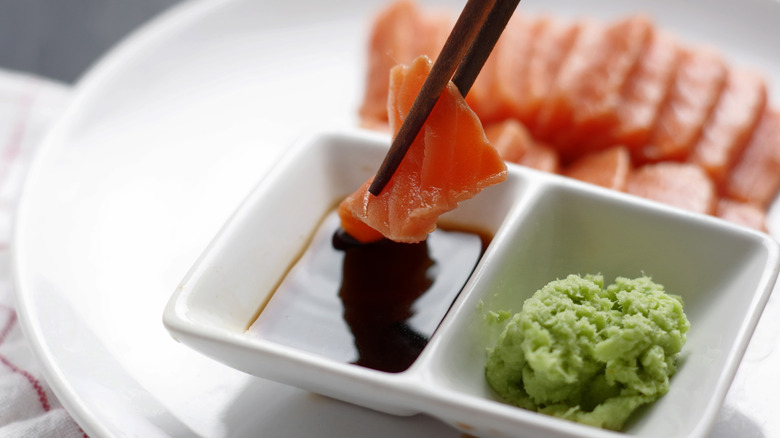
point(590, 354)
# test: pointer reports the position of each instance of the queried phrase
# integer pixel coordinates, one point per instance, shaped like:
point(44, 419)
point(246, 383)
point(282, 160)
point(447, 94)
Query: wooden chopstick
point(467, 48)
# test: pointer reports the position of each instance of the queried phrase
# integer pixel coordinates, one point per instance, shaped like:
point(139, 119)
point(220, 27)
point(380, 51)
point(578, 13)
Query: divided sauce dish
point(544, 227)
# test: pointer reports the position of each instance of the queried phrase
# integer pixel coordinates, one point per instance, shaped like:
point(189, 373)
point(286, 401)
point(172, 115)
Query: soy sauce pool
point(373, 305)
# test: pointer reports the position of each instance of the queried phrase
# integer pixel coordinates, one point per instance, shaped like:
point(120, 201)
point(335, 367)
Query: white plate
point(165, 137)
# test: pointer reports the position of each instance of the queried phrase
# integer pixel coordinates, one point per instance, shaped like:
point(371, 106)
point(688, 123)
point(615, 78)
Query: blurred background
point(60, 39)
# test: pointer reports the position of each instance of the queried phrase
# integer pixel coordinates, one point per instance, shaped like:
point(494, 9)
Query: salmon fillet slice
point(450, 161)
point(608, 168)
point(510, 138)
point(696, 89)
point(642, 95)
point(727, 132)
point(556, 111)
point(554, 40)
point(479, 98)
point(400, 33)
point(542, 156)
point(515, 145)
point(683, 185)
point(755, 177)
point(509, 71)
point(742, 213)
point(586, 96)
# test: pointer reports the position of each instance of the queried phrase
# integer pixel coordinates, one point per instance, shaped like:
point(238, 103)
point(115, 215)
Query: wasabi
point(591, 354)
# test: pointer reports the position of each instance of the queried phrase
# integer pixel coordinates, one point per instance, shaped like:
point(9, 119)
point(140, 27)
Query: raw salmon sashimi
point(515, 144)
point(497, 92)
point(479, 97)
point(728, 130)
point(557, 107)
point(575, 95)
point(642, 95)
point(608, 168)
point(450, 161)
point(510, 138)
point(553, 42)
point(586, 95)
point(696, 89)
point(682, 185)
point(542, 156)
point(742, 213)
point(400, 33)
point(756, 176)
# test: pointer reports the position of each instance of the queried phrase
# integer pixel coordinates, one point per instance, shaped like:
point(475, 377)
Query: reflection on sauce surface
point(372, 305)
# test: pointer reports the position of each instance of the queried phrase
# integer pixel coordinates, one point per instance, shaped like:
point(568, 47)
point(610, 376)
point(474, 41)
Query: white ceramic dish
point(164, 138)
point(544, 227)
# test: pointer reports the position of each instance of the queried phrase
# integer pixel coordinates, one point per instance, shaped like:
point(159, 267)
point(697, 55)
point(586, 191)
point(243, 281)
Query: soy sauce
point(374, 305)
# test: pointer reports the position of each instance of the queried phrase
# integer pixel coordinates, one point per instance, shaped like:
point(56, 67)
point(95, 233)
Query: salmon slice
point(728, 130)
point(642, 95)
point(510, 138)
point(755, 177)
point(742, 213)
point(696, 89)
point(586, 96)
point(400, 33)
point(500, 93)
point(542, 156)
point(450, 161)
point(608, 168)
point(683, 185)
point(480, 98)
point(556, 111)
point(554, 40)
point(515, 145)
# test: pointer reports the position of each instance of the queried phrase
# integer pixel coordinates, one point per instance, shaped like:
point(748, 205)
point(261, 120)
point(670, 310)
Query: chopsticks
point(468, 46)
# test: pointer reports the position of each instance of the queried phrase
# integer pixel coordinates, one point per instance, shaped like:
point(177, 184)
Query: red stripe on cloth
point(9, 323)
point(35, 383)
point(13, 144)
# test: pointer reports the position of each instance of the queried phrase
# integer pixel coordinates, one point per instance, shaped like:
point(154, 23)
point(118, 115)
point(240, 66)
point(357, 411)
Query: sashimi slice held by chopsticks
point(450, 161)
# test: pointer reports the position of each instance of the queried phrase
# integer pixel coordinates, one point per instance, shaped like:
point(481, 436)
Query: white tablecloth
point(28, 408)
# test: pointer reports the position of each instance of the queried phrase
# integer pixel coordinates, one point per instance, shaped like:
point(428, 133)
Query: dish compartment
point(239, 272)
point(544, 227)
point(723, 274)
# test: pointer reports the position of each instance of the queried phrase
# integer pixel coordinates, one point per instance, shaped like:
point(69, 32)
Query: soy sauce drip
point(380, 283)
point(373, 305)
